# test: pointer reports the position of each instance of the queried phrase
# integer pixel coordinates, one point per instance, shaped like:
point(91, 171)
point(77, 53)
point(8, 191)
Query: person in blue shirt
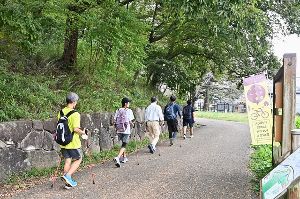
point(171, 111)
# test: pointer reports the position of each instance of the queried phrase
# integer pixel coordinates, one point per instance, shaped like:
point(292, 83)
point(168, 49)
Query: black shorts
point(124, 138)
point(172, 125)
point(188, 122)
point(75, 154)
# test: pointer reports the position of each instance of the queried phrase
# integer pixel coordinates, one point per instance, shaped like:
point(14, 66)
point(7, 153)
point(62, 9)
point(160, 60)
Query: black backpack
point(63, 135)
point(187, 112)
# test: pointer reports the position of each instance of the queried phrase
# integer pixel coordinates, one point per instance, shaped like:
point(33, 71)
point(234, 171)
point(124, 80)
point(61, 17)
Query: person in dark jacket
point(171, 111)
point(188, 118)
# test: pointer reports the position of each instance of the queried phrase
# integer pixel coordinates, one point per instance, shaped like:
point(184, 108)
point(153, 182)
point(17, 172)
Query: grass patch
point(260, 164)
point(237, 117)
point(21, 179)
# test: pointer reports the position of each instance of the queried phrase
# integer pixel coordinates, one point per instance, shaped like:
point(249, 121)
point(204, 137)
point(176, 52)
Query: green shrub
point(260, 163)
point(297, 121)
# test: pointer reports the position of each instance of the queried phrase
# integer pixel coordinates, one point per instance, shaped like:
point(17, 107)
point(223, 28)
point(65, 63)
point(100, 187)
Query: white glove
point(84, 136)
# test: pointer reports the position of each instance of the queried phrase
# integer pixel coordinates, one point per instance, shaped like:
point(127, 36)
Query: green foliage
point(260, 163)
point(233, 39)
point(297, 122)
point(110, 55)
point(27, 96)
point(113, 42)
point(173, 43)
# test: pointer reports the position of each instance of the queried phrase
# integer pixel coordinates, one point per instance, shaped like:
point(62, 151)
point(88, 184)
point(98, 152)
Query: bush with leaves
point(261, 163)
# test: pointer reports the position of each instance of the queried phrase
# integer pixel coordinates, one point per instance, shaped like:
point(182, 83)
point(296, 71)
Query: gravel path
point(212, 165)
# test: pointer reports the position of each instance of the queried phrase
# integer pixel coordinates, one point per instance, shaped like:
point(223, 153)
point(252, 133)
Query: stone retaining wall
point(29, 144)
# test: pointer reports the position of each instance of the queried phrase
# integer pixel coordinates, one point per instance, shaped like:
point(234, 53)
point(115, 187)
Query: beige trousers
point(154, 131)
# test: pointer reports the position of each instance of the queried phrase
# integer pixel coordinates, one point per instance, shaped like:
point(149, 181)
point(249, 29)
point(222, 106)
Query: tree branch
point(153, 21)
point(123, 3)
point(153, 38)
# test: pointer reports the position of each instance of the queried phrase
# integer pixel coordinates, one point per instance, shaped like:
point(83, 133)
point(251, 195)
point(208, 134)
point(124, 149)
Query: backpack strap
point(70, 113)
point(61, 113)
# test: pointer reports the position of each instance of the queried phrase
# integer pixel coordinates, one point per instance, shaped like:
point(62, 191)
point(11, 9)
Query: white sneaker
point(123, 160)
point(191, 136)
point(117, 162)
point(68, 187)
point(154, 148)
point(184, 136)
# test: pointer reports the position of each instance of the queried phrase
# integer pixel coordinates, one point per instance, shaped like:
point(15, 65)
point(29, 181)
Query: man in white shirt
point(123, 120)
point(153, 118)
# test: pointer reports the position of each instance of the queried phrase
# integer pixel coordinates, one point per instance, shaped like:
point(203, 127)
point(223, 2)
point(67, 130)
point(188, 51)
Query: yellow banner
point(259, 109)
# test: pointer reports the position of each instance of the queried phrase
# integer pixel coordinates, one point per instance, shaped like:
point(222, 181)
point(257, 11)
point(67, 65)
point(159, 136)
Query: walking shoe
point(117, 162)
point(154, 148)
point(69, 181)
point(171, 142)
point(191, 136)
point(150, 147)
point(68, 187)
point(184, 136)
point(123, 159)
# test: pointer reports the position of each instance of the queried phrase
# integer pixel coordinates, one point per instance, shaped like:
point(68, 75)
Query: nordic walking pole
point(180, 134)
point(92, 174)
point(92, 165)
point(161, 132)
point(87, 153)
point(93, 177)
point(54, 177)
point(136, 150)
point(158, 151)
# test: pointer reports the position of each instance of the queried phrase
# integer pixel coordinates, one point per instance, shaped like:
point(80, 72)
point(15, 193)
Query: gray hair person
point(71, 151)
point(72, 97)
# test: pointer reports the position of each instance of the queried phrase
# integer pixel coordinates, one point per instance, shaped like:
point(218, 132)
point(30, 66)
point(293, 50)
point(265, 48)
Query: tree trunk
point(206, 100)
point(136, 77)
point(71, 41)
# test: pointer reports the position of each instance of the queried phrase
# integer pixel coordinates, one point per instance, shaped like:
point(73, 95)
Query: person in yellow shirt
point(72, 151)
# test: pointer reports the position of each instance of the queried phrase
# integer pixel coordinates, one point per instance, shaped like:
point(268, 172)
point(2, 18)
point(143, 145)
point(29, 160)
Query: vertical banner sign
point(259, 109)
